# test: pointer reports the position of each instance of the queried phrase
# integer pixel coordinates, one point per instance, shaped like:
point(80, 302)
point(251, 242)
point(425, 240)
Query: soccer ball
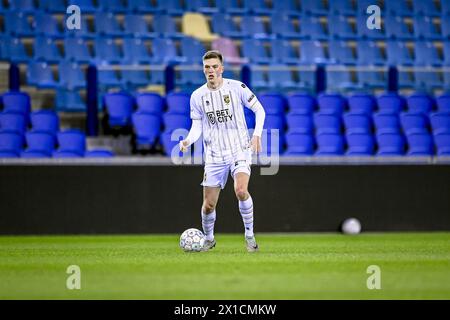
point(351, 226)
point(192, 240)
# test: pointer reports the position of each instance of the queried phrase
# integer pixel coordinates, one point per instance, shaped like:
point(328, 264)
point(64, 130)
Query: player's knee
point(208, 207)
point(241, 193)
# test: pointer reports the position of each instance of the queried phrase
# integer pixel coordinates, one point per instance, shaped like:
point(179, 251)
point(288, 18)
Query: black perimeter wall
point(158, 199)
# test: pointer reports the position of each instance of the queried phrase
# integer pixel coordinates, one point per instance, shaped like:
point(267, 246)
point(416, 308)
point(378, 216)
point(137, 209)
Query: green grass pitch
point(288, 266)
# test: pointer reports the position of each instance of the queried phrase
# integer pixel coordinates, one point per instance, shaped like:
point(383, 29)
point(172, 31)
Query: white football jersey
point(224, 128)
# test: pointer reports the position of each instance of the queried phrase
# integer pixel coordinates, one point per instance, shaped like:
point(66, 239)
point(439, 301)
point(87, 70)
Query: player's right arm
point(196, 128)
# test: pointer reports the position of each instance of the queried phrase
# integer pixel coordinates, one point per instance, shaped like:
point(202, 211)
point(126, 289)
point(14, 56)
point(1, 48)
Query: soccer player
point(217, 112)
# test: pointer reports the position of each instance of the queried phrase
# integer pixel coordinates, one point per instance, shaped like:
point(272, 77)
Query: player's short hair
point(213, 54)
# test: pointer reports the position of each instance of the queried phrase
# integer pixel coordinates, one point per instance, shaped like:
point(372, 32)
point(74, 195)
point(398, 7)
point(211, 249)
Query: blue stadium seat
point(386, 123)
point(172, 7)
point(339, 27)
point(40, 74)
point(341, 7)
point(39, 144)
point(357, 123)
point(119, 107)
point(339, 78)
point(142, 6)
point(11, 144)
point(164, 26)
point(300, 123)
point(314, 7)
point(420, 103)
point(259, 78)
point(390, 144)
point(366, 33)
point(360, 144)
point(46, 25)
point(13, 122)
point(312, 52)
point(106, 50)
point(341, 52)
point(99, 153)
point(362, 103)
point(369, 53)
point(14, 50)
point(86, 6)
point(397, 28)
point(107, 76)
point(426, 54)
point(79, 50)
point(331, 103)
point(311, 28)
point(255, 50)
point(71, 76)
point(72, 141)
point(147, 128)
point(46, 49)
point(274, 121)
point(362, 5)
point(115, 6)
point(134, 76)
point(442, 142)
point(445, 27)
point(327, 123)
point(150, 102)
point(106, 24)
point(330, 145)
point(136, 26)
point(202, 6)
point(420, 144)
point(426, 8)
point(283, 26)
point(174, 121)
point(16, 101)
point(224, 25)
point(424, 28)
point(56, 6)
point(273, 103)
point(230, 6)
point(45, 121)
point(440, 122)
point(427, 79)
point(390, 103)
point(281, 78)
point(301, 103)
point(406, 80)
point(135, 51)
point(289, 7)
point(16, 24)
point(299, 144)
point(414, 123)
point(164, 51)
point(22, 5)
point(157, 75)
point(253, 26)
point(178, 102)
point(443, 103)
point(69, 101)
point(307, 80)
point(257, 6)
point(67, 154)
point(284, 52)
point(192, 49)
point(189, 77)
point(372, 78)
point(274, 140)
point(398, 8)
point(445, 7)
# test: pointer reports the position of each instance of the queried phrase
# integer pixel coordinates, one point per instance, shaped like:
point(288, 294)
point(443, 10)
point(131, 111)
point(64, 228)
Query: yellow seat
point(196, 25)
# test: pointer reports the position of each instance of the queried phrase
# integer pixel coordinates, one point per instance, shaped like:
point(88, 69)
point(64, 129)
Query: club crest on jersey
point(226, 99)
point(211, 117)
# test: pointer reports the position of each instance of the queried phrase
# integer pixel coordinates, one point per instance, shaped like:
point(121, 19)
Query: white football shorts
point(216, 174)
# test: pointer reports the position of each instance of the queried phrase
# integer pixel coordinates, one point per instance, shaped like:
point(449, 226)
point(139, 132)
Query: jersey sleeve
point(196, 110)
point(248, 98)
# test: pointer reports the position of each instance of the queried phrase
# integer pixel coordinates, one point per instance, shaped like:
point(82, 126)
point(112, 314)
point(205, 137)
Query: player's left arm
point(250, 100)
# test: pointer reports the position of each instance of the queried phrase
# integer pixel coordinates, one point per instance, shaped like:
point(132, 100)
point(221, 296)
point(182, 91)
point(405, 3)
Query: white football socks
point(246, 209)
point(208, 221)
